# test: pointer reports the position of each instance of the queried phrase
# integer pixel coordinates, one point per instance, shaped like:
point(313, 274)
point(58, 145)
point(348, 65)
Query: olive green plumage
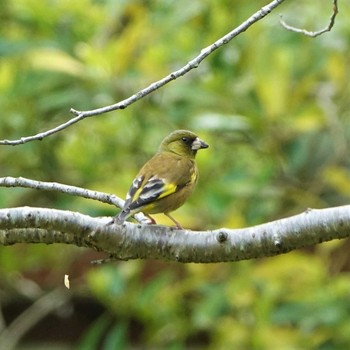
point(165, 182)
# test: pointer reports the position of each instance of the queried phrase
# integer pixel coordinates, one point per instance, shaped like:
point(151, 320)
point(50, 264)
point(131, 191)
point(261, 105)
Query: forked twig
point(317, 33)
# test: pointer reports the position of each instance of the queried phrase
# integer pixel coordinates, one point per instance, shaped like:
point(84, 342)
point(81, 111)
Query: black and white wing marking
point(155, 188)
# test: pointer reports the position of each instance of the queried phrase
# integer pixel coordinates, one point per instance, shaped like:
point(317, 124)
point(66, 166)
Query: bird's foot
point(152, 221)
point(177, 224)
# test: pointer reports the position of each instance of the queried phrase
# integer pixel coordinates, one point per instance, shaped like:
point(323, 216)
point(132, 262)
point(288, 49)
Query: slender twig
point(194, 63)
point(67, 189)
point(317, 33)
point(46, 304)
point(9, 181)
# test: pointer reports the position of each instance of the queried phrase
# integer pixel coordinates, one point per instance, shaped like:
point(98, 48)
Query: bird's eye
point(186, 140)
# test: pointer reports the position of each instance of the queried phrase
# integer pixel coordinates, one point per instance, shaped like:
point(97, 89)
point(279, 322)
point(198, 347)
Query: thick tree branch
point(317, 33)
point(194, 63)
point(135, 241)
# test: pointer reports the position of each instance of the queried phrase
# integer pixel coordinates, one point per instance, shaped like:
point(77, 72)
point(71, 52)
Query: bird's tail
point(122, 216)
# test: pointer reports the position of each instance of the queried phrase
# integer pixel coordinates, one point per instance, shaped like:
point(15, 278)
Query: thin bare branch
point(317, 33)
point(67, 189)
point(194, 63)
point(46, 304)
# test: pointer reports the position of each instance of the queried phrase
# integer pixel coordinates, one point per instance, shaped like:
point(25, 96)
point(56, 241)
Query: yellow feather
point(168, 190)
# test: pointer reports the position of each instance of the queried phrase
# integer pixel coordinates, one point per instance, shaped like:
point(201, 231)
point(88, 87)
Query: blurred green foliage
point(274, 107)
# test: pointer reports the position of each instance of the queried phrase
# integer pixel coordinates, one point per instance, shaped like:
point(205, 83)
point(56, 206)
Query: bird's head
point(182, 142)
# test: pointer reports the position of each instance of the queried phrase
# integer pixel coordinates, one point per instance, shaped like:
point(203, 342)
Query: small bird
point(166, 181)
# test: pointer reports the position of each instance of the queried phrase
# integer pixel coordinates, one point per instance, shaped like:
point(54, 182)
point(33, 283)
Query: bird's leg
point(153, 222)
point(178, 225)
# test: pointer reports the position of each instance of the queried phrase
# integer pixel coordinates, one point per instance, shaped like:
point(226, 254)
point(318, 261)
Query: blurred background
point(274, 107)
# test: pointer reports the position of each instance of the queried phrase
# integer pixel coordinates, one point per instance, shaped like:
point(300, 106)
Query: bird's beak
point(198, 144)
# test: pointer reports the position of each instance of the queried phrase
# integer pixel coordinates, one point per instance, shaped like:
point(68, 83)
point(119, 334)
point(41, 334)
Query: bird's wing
point(148, 191)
